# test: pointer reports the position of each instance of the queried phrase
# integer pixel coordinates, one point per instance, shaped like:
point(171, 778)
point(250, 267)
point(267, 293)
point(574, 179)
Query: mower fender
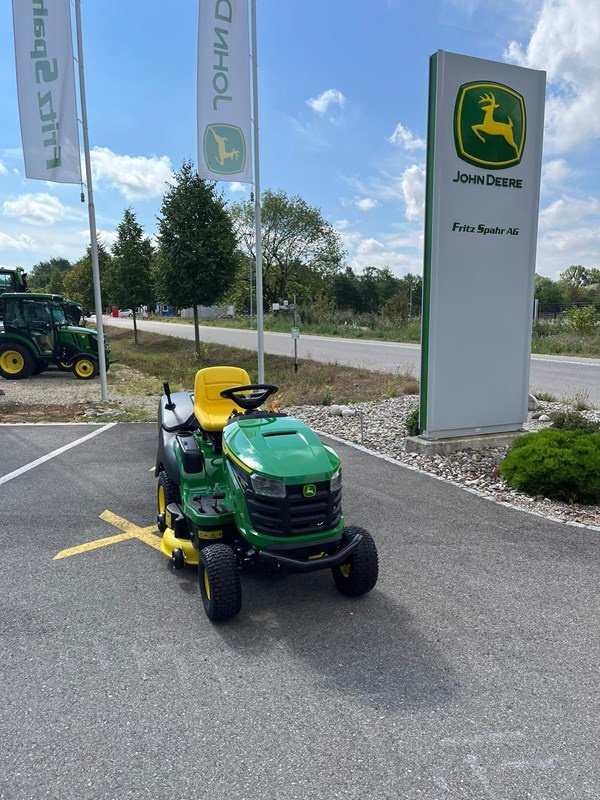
point(181, 417)
point(309, 564)
point(165, 458)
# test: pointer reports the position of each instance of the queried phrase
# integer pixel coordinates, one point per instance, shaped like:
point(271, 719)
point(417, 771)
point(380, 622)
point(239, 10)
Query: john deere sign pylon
point(484, 151)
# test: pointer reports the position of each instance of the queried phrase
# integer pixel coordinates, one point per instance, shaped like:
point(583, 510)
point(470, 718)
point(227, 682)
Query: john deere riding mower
point(37, 331)
point(240, 485)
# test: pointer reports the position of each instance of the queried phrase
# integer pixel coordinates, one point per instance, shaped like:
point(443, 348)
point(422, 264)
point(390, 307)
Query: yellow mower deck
point(170, 542)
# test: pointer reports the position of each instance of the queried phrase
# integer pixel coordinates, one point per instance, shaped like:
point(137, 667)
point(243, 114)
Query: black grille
point(295, 514)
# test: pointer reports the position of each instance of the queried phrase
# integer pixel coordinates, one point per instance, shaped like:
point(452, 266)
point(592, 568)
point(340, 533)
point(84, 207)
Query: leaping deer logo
point(222, 152)
point(492, 127)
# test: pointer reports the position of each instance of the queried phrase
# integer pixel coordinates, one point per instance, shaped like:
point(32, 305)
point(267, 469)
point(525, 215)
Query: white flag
point(46, 90)
point(224, 91)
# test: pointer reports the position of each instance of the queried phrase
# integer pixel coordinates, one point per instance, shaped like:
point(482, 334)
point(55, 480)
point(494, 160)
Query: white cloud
point(236, 186)
point(366, 203)
point(405, 138)
point(413, 191)
point(566, 43)
point(323, 102)
point(36, 209)
point(22, 242)
point(3, 170)
point(555, 174)
point(341, 224)
point(136, 177)
point(567, 212)
point(108, 238)
point(401, 254)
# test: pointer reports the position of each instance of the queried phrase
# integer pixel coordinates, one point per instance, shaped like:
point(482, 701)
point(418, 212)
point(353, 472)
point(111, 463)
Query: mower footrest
point(309, 564)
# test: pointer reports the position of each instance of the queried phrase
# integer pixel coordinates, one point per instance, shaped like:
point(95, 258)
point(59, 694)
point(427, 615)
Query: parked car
point(125, 312)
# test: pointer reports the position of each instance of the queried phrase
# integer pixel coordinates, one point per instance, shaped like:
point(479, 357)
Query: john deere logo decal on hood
point(489, 125)
point(309, 490)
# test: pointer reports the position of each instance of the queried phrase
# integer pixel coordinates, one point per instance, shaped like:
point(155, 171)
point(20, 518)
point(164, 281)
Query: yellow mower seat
point(210, 409)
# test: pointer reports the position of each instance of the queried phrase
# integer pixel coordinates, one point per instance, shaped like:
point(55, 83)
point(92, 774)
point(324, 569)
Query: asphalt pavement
point(471, 671)
point(563, 376)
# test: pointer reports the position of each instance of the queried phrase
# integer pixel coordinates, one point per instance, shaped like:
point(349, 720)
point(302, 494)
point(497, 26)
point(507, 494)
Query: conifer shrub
point(574, 421)
point(559, 464)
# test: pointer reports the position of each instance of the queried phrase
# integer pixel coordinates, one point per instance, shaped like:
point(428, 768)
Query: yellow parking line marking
point(129, 531)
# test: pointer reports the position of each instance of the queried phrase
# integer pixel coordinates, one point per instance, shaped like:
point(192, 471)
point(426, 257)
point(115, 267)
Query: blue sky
point(343, 94)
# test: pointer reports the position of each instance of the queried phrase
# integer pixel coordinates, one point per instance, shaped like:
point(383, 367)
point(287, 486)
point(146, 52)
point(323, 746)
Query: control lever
point(167, 389)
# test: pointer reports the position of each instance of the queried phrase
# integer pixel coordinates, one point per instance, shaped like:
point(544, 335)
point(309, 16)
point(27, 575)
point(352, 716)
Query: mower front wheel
point(220, 584)
point(359, 574)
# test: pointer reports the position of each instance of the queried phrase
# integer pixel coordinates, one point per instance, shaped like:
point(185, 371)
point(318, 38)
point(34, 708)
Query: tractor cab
point(40, 330)
point(13, 280)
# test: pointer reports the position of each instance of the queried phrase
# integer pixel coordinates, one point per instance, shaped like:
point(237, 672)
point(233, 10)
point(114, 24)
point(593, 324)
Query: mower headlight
point(336, 480)
point(268, 487)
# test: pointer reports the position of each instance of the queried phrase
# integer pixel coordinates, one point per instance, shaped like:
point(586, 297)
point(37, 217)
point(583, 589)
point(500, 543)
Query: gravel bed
point(54, 388)
point(476, 470)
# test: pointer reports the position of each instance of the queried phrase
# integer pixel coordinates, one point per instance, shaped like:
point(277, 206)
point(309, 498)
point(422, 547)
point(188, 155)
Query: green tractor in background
point(40, 330)
point(13, 280)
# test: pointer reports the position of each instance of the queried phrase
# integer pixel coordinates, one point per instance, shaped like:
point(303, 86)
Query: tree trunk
point(197, 331)
point(135, 336)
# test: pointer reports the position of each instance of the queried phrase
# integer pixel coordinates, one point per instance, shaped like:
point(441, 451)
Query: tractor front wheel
point(85, 368)
point(220, 584)
point(359, 574)
point(15, 362)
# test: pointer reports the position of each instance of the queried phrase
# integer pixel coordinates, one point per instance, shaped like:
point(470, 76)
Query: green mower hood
point(279, 447)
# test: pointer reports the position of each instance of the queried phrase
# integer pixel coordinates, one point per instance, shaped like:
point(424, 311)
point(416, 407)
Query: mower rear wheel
point(167, 492)
point(359, 574)
point(220, 584)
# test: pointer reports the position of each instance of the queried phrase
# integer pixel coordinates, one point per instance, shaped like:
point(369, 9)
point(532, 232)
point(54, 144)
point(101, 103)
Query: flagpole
point(91, 207)
point(257, 211)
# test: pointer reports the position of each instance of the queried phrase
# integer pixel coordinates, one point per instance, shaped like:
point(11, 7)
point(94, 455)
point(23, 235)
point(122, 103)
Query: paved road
point(469, 673)
point(561, 375)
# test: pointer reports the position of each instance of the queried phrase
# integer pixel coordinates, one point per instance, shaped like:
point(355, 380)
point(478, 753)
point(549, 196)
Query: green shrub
point(560, 464)
point(583, 320)
point(412, 423)
point(573, 421)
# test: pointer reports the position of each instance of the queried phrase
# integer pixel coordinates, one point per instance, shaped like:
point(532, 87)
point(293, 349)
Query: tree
point(197, 244)
point(548, 292)
point(576, 275)
point(130, 278)
point(56, 283)
point(41, 273)
point(301, 250)
point(78, 281)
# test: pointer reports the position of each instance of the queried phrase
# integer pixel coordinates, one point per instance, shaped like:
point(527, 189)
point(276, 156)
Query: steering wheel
point(258, 394)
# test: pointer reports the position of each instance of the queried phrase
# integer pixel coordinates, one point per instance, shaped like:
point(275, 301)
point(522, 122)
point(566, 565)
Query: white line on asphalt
point(47, 424)
point(477, 493)
point(53, 454)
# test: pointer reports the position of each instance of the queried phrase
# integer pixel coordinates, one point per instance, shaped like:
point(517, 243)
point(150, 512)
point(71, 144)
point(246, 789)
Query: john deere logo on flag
point(489, 125)
point(309, 490)
point(224, 149)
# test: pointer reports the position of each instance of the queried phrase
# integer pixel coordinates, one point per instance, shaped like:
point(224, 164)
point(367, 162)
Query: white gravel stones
point(384, 432)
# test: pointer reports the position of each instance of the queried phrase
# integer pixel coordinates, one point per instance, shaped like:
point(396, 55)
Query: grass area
point(281, 323)
point(559, 340)
point(166, 358)
point(547, 338)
